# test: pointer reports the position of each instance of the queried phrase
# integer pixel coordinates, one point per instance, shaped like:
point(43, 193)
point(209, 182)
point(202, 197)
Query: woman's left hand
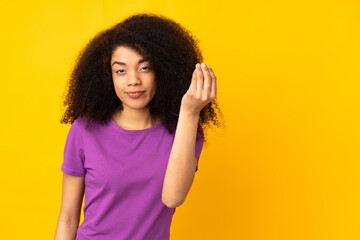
point(202, 89)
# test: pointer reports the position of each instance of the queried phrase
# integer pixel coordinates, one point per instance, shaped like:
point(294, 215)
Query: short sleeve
point(198, 148)
point(73, 159)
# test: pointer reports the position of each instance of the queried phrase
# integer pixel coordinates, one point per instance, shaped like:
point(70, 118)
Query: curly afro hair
point(172, 51)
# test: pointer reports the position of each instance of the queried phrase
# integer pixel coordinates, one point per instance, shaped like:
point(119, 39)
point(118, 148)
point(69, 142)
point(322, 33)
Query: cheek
point(119, 84)
point(119, 87)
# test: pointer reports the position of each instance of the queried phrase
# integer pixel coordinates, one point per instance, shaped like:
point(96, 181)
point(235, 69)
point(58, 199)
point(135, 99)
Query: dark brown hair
point(173, 52)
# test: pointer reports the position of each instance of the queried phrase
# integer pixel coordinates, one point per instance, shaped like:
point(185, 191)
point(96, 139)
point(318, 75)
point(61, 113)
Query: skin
point(130, 73)
point(202, 89)
point(73, 188)
point(182, 162)
point(181, 167)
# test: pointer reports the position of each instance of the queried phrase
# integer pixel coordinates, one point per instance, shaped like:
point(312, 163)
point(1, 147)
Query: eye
point(119, 70)
point(146, 67)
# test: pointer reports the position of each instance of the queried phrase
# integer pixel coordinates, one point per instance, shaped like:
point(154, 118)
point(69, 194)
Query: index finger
point(193, 82)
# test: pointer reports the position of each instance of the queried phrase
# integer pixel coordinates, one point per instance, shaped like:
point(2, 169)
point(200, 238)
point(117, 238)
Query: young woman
point(138, 101)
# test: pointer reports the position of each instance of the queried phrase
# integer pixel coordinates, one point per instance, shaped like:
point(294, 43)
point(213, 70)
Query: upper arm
point(72, 196)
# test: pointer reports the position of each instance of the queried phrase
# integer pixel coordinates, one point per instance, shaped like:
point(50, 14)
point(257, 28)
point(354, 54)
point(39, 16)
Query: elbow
point(172, 204)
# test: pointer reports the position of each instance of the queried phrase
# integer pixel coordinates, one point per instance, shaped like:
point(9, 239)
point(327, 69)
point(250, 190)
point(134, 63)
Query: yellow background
point(285, 167)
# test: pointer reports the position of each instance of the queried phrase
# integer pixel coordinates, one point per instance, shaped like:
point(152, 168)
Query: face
point(132, 73)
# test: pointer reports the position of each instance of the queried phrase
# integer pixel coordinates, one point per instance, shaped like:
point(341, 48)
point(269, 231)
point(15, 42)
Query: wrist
point(190, 114)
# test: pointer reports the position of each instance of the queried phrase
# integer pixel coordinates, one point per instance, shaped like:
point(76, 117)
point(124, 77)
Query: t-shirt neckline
point(138, 131)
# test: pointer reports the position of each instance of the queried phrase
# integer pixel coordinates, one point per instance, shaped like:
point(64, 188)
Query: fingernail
point(203, 64)
point(197, 65)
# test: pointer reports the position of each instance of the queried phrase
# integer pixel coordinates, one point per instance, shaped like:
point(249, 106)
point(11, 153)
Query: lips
point(135, 94)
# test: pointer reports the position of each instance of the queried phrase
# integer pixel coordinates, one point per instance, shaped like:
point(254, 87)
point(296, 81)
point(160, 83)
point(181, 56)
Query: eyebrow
point(140, 61)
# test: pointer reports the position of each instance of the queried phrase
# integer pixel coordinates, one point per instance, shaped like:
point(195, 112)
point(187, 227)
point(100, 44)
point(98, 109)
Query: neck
point(132, 119)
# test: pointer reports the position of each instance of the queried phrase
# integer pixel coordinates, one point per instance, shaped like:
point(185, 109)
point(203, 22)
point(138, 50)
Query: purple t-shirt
point(124, 172)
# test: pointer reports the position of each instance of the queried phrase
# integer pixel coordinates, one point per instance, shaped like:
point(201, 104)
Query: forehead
point(123, 51)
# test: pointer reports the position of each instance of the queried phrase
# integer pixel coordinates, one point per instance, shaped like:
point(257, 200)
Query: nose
point(133, 79)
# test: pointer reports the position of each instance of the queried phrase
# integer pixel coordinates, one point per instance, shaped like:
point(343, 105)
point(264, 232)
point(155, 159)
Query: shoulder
point(78, 126)
point(85, 122)
point(80, 120)
point(78, 123)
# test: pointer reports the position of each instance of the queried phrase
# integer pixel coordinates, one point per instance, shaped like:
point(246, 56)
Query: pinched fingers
point(207, 80)
point(213, 84)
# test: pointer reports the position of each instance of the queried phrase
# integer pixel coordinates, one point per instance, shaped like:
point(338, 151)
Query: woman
point(138, 102)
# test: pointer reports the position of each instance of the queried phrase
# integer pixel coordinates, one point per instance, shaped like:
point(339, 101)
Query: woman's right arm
point(72, 198)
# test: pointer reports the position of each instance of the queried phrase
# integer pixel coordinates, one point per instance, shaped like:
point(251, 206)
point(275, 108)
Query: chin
point(137, 106)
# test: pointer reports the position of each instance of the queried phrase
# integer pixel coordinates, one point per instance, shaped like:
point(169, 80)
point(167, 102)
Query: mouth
point(135, 94)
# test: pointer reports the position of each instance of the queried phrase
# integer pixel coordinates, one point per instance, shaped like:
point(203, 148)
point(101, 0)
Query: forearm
point(182, 162)
point(66, 230)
